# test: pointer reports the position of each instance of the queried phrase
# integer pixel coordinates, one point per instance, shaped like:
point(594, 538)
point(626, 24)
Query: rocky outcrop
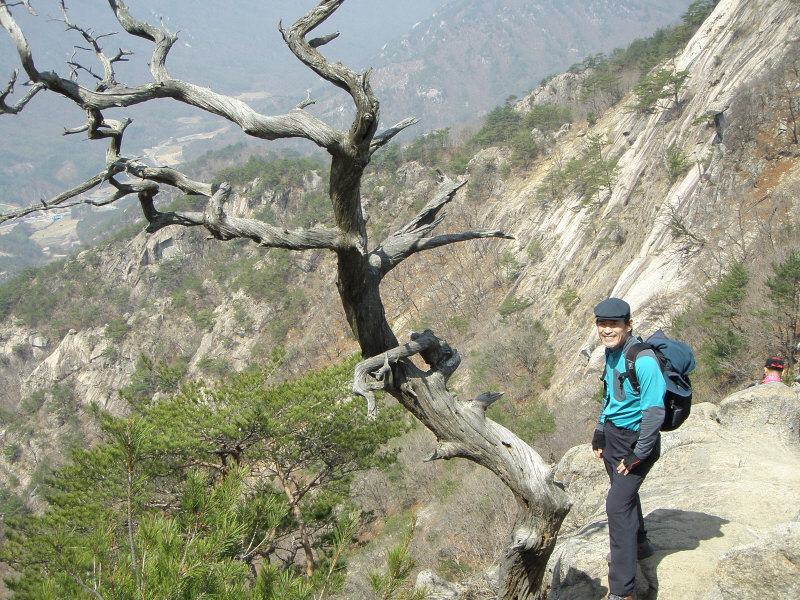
point(436, 588)
point(720, 507)
point(562, 90)
point(769, 568)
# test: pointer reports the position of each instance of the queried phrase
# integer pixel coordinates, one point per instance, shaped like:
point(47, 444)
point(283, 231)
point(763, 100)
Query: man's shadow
point(669, 531)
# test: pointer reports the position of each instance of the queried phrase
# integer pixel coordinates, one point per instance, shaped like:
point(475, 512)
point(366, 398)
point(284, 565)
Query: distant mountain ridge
point(472, 54)
point(441, 62)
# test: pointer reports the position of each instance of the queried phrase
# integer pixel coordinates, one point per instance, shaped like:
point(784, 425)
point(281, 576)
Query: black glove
point(631, 461)
point(598, 440)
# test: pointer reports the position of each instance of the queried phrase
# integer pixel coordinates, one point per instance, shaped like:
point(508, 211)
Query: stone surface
point(435, 587)
point(769, 568)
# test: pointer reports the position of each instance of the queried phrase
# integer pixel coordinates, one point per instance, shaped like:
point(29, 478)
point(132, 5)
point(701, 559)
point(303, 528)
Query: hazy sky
point(245, 30)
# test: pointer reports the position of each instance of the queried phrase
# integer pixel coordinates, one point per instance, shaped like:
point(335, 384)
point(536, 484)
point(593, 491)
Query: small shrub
point(677, 162)
point(32, 403)
point(12, 452)
point(512, 304)
point(452, 569)
point(459, 323)
point(421, 323)
point(587, 174)
point(568, 300)
point(535, 251)
point(117, 329)
point(204, 319)
point(528, 422)
point(214, 366)
point(509, 265)
point(10, 504)
point(445, 488)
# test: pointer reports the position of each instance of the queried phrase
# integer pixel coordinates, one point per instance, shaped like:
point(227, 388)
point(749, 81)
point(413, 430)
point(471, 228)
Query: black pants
point(623, 507)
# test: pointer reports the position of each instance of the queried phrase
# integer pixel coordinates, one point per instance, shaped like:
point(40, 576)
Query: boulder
point(435, 587)
point(769, 568)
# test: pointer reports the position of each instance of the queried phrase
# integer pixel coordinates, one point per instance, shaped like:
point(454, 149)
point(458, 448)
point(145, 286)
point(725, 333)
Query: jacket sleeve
point(652, 389)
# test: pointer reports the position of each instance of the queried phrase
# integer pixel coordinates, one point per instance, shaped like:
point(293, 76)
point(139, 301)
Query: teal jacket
point(624, 408)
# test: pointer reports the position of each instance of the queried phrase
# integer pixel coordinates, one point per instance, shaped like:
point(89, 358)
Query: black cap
point(614, 309)
point(773, 362)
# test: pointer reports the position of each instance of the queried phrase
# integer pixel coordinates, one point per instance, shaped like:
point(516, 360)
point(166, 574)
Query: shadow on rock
point(579, 566)
point(671, 531)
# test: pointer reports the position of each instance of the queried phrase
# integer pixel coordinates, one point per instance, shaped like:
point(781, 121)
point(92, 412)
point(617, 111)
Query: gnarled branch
point(164, 175)
point(462, 430)
point(412, 237)
point(357, 86)
point(385, 137)
point(59, 200)
point(16, 108)
point(223, 227)
point(108, 79)
point(296, 123)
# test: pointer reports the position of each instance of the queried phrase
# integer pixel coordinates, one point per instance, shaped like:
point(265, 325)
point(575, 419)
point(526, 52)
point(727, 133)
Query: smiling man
point(628, 439)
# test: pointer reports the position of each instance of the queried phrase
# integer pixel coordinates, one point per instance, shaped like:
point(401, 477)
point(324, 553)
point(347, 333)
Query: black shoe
point(644, 550)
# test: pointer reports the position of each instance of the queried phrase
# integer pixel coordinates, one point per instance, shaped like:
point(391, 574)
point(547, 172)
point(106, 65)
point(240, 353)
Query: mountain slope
point(502, 47)
point(654, 239)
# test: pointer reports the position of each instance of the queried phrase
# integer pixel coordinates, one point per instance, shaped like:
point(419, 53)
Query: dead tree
point(460, 426)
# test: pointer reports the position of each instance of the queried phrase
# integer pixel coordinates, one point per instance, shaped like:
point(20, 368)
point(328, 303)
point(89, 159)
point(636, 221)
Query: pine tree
point(202, 494)
point(784, 292)
point(652, 90)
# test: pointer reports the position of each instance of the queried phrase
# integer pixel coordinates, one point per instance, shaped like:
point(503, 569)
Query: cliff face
point(726, 59)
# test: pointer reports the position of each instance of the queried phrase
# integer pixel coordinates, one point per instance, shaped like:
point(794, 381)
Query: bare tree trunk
point(462, 430)
point(294, 505)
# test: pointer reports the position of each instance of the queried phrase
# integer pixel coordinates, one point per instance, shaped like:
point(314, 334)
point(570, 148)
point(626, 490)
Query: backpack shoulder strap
point(631, 354)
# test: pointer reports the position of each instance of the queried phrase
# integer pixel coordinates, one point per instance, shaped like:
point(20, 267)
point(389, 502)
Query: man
point(627, 438)
point(773, 369)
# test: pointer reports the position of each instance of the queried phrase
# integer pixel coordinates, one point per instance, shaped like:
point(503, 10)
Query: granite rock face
point(769, 568)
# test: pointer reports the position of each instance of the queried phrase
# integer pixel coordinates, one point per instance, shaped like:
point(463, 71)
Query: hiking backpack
point(676, 361)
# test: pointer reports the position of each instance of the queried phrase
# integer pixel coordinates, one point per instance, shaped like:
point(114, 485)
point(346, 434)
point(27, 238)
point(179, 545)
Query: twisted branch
point(385, 137)
point(412, 237)
point(375, 373)
point(16, 108)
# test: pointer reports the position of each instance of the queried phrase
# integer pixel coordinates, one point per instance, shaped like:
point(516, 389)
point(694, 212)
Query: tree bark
point(462, 430)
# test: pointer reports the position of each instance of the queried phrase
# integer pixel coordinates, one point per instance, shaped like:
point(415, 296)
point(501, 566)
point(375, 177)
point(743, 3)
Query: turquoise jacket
point(623, 407)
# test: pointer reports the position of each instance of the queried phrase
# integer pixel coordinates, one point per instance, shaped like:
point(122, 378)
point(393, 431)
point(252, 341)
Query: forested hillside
point(664, 173)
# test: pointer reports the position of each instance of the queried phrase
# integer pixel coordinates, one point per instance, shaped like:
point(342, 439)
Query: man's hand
point(598, 443)
point(627, 464)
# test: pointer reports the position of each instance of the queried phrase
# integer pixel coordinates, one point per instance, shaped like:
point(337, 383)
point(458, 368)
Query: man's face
point(613, 332)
